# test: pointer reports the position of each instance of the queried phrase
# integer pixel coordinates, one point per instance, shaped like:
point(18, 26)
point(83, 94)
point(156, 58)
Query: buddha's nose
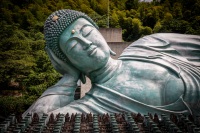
point(86, 43)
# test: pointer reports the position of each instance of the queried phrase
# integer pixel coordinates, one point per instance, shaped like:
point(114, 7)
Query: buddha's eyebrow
point(85, 26)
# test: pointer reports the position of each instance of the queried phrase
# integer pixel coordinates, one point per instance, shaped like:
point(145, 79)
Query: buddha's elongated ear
point(82, 78)
point(112, 52)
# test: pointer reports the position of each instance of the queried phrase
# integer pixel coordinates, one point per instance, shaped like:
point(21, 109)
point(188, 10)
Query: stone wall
point(111, 34)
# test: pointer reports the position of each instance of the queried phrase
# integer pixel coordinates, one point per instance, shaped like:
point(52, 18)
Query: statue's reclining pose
point(159, 73)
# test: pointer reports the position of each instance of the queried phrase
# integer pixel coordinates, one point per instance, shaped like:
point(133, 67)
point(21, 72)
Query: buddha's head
point(74, 38)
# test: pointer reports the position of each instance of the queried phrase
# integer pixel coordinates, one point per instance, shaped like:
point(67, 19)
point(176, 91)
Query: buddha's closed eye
point(86, 30)
point(71, 44)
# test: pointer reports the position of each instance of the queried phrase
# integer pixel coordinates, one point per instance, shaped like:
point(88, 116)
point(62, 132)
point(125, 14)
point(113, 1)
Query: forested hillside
point(25, 70)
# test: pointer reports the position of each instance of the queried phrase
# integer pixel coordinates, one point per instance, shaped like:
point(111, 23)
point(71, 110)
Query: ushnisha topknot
point(56, 23)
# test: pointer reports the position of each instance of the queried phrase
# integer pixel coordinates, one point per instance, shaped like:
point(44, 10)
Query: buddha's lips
point(91, 49)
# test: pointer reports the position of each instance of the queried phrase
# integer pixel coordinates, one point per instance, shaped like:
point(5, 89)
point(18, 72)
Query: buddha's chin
point(100, 57)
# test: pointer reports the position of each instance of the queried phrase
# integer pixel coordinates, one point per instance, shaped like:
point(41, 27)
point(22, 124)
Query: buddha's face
point(84, 45)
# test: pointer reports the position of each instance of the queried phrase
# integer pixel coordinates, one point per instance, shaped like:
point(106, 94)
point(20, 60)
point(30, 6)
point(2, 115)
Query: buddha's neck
point(105, 73)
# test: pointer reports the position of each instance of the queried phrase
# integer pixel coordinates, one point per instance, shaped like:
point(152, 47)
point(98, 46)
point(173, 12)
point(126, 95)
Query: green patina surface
point(159, 73)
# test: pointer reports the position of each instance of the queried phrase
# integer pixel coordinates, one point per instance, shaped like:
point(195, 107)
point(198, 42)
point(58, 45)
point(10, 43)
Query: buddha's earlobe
point(82, 78)
point(112, 53)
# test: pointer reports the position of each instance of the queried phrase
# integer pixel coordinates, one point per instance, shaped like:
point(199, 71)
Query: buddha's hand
point(62, 67)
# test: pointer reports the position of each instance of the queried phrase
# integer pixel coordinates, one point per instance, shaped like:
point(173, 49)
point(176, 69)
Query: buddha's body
point(132, 89)
point(151, 75)
point(156, 85)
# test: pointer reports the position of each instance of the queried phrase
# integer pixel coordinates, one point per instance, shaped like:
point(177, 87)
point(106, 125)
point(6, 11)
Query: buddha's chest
point(145, 82)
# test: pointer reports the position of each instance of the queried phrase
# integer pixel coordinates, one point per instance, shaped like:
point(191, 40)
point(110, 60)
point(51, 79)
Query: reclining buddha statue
point(159, 73)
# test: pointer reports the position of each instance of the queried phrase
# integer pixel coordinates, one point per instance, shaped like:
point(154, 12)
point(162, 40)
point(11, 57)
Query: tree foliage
point(24, 65)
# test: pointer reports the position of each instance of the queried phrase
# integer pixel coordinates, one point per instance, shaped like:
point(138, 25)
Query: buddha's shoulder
point(146, 69)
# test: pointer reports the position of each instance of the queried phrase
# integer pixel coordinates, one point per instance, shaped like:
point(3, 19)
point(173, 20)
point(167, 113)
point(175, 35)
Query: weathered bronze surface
point(159, 73)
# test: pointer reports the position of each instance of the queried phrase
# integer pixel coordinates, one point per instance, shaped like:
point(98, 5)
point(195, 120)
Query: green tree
point(149, 20)
point(146, 31)
point(25, 66)
point(132, 4)
point(157, 27)
point(177, 10)
point(195, 24)
point(114, 20)
point(22, 56)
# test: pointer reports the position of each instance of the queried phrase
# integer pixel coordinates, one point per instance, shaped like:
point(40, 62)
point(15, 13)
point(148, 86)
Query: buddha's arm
point(57, 96)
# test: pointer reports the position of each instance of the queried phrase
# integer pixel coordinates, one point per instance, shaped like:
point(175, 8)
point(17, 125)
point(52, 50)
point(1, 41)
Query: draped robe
point(159, 73)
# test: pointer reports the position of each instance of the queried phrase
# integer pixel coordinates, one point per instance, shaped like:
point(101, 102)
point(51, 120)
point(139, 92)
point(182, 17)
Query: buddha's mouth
point(91, 50)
